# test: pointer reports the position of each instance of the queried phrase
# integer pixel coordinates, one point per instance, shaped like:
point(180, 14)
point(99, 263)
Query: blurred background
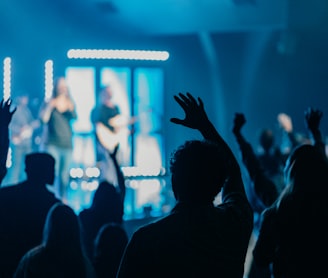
point(258, 57)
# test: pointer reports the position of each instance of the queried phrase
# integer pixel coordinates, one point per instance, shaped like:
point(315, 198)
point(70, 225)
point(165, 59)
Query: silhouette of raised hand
point(5, 113)
point(5, 117)
point(312, 118)
point(238, 123)
point(195, 115)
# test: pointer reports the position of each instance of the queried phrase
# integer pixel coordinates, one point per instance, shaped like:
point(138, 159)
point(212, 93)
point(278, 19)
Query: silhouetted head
point(199, 170)
point(111, 241)
point(266, 139)
point(107, 201)
point(40, 167)
point(306, 170)
point(62, 229)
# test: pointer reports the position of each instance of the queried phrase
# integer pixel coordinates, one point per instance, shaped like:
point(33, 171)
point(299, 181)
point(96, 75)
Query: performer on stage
point(57, 114)
point(21, 128)
point(111, 129)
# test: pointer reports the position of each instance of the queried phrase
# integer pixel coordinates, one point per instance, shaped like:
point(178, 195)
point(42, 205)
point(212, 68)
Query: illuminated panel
point(81, 82)
point(118, 54)
point(119, 79)
point(148, 105)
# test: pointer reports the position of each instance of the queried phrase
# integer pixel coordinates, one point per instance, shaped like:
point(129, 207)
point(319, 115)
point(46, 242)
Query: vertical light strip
point(6, 78)
point(48, 79)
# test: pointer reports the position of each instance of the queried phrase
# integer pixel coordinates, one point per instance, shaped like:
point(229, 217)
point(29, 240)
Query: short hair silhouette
point(266, 139)
point(197, 164)
point(40, 166)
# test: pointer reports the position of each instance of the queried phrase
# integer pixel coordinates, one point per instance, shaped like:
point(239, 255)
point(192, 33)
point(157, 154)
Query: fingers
point(176, 121)
point(180, 102)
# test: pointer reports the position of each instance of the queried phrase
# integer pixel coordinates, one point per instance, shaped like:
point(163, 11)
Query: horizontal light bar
point(117, 54)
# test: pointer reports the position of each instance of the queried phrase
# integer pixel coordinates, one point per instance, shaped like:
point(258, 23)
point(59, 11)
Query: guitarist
point(21, 131)
point(109, 126)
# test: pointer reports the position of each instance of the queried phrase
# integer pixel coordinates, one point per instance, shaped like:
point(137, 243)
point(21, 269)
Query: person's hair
point(62, 239)
point(107, 201)
point(62, 228)
point(109, 247)
point(266, 139)
point(55, 87)
point(307, 168)
point(199, 169)
point(111, 241)
point(40, 166)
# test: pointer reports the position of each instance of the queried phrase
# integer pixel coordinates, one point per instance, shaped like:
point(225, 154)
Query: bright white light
point(143, 171)
point(6, 78)
point(48, 79)
point(118, 54)
point(74, 185)
point(92, 186)
point(76, 173)
point(92, 172)
point(84, 185)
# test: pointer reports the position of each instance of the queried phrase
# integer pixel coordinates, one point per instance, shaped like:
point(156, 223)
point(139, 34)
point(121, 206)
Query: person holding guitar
point(21, 128)
point(111, 128)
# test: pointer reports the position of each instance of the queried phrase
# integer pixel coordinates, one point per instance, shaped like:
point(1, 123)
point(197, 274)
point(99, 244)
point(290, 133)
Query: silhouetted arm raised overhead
point(196, 118)
point(263, 186)
point(312, 123)
point(119, 173)
point(5, 119)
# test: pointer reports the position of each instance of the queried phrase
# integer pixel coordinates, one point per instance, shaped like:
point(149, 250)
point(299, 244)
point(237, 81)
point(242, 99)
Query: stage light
point(118, 54)
point(48, 79)
point(6, 78)
point(143, 171)
point(76, 173)
point(92, 172)
point(74, 185)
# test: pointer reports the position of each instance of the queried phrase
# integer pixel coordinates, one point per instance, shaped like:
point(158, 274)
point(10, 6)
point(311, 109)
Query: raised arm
point(264, 188)
point(119, 173)
point(196, 118)
point(5, 119)
point(312, 123)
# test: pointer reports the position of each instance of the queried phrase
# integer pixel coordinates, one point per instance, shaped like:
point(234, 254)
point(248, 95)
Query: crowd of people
point(280, 225)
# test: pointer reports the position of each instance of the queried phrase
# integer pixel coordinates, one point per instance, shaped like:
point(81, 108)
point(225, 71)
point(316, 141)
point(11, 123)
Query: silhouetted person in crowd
point(262, 184)
point(6, 115)
point(293, 237)
point(60, 255)
point(23, 210)
point(198, 238)
point(110, 244)
point(107, 207)
point(274, 155)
